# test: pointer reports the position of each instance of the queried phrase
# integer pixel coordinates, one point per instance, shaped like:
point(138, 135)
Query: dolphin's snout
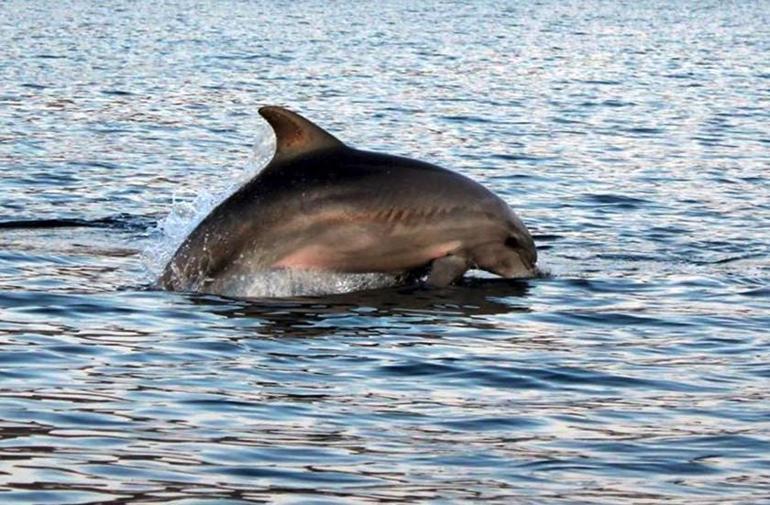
point(525, 248)
point(529, 258)
point(525, 253)
point(530, 254)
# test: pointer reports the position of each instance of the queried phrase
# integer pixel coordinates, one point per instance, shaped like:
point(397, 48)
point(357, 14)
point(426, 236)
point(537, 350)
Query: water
point(632, 138)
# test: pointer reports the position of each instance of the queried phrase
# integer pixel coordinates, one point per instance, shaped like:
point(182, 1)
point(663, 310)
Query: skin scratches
point(328, 257)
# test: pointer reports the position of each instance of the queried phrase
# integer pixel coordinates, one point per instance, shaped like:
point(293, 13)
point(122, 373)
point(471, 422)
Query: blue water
point(633, 138)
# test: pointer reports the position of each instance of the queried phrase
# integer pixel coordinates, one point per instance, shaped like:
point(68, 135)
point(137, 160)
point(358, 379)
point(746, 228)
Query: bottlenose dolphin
point(321, 205)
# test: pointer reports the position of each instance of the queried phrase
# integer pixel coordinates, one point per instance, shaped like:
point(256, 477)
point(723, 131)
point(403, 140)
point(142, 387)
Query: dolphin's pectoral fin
point(447, 269)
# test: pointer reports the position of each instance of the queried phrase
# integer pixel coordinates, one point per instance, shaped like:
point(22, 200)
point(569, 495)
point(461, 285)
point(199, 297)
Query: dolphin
point(321, 205)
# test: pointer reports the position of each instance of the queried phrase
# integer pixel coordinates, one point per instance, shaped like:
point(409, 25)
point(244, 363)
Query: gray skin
point(320, 205)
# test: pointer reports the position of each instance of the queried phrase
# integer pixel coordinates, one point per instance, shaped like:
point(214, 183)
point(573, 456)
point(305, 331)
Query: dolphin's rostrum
point(321, 205)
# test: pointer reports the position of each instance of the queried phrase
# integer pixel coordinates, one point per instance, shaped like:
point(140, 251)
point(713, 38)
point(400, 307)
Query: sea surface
point(633, 138)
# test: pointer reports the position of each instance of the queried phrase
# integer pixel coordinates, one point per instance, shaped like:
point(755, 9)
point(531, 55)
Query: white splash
point(286, 283)
point(185, 215)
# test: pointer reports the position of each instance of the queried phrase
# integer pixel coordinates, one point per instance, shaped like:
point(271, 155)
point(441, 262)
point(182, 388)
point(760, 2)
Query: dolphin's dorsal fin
point(295, 135)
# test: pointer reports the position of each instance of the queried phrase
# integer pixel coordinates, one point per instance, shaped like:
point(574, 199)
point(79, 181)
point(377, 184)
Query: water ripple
point(631, 138)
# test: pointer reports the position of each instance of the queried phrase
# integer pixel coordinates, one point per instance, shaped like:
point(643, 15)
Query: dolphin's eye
point(512, 242)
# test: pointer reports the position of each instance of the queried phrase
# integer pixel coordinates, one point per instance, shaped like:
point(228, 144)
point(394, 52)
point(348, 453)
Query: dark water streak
point(120, 222)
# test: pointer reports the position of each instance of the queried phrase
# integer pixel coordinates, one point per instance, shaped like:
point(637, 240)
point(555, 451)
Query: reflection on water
point(371, 312)
point(632, 140)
